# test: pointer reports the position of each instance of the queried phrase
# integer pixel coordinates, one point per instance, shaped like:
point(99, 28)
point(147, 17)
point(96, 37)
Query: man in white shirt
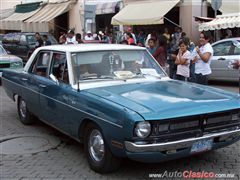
point(203, 58)
point(71, 39)
point(89, 36)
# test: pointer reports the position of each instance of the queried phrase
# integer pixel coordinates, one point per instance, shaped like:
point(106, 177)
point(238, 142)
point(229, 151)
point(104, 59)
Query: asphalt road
point(64, 158)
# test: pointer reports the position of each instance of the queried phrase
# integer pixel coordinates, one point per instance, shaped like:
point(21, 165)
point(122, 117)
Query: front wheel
point(99, 156)
point(24, 115)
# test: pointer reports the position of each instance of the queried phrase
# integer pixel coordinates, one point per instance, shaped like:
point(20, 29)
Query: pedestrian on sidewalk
point(161, 53)
point(183, 61)
point(203, 58)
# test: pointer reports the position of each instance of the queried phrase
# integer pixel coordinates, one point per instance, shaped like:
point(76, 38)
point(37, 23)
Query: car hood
point(168, 99)
point(9, 58)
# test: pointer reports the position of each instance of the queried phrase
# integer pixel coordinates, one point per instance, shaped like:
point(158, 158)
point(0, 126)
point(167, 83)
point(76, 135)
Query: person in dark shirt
point(79, 38)
point(46, 42)
point(39, 41)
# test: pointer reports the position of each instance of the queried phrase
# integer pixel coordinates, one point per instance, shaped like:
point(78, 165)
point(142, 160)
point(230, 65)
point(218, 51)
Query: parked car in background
point(1, 37)
point(8, 61)
point(225, 51)
point(22, 44)
point(119, 102)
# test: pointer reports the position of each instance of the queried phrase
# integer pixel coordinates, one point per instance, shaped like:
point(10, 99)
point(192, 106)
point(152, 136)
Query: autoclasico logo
point(190, 174)
point(202, 174)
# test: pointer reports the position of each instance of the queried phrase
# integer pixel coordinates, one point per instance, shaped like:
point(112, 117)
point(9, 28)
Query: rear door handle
point(42, 85)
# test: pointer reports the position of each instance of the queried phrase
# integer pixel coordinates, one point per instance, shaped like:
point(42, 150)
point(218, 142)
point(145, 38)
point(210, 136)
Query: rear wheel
point(24, 115)
point(99, 156)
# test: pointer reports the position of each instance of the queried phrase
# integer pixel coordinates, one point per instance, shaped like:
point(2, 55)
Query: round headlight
point(143, 129)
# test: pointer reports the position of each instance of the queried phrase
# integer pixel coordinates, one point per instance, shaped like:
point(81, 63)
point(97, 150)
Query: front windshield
point(2, 51)
point(114, 65)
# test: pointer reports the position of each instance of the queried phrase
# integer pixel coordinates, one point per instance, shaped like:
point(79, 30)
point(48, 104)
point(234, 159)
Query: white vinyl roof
point(89, 47)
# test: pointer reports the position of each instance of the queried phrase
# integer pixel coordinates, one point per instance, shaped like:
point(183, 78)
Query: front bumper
point(175, 145)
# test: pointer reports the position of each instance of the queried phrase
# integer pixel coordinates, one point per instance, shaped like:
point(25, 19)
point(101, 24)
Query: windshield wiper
point(95, 77)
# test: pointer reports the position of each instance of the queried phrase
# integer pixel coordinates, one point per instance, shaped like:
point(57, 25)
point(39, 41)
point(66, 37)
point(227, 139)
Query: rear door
point(36, 81)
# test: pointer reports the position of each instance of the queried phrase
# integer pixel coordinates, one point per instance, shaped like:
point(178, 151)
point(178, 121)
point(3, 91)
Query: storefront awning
point(202, 19)
point(106, 8)
point(40, 21)
point(14, 22)
point(222, 22)
point(4, 13)
point(144, 13)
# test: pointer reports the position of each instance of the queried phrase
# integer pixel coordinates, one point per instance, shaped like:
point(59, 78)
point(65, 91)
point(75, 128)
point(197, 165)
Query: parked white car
point(225, 52)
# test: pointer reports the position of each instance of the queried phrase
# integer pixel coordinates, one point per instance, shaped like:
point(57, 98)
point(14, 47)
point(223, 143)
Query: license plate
point(203, 145)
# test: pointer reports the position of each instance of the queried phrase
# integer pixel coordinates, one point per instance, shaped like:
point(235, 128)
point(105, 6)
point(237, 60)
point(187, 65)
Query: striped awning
point(144, 13)
point(222, 22)
point(14, 22)
point(40, 21)
point(106, 8)
point(202, 19)
point(4, 13)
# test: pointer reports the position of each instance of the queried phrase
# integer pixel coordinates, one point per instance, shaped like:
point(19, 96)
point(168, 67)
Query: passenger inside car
point(110, 63)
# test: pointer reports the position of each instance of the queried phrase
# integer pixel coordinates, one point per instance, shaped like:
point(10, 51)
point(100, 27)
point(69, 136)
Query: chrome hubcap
point(96, 145)
point(23, 108)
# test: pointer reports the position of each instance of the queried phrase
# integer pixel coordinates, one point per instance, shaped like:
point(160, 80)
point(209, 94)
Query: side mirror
point(52, 77)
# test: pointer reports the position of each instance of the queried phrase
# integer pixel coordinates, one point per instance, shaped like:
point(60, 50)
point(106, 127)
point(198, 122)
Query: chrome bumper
point(174, 145)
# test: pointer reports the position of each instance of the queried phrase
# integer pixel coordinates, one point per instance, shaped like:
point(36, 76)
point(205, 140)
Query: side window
point(8, 38)
point(41, 64)
point(31, 39)
point(23, 39)
point(16, 38)
point(236, 45)
point(222, 49)
point(237, 51)
point(59, 67)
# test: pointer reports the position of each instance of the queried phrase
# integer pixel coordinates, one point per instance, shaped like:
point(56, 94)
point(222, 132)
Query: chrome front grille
point(184, 125)
point(194, 126)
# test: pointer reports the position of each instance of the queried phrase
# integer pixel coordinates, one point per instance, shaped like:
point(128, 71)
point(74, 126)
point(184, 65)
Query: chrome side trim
point(133, 147)
point(120, 126)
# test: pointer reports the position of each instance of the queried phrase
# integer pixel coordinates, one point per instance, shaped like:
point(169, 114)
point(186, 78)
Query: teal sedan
point(118, 101)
